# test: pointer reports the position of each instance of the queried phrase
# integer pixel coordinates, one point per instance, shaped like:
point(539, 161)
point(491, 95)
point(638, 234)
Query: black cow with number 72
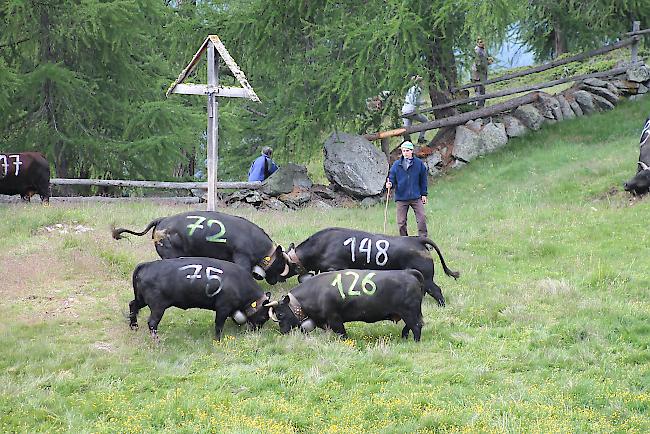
point(328, 300)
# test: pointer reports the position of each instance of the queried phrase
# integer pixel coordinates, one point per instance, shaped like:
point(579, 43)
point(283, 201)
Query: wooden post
point(216, 50)
point(636, 25)
point(213, 127)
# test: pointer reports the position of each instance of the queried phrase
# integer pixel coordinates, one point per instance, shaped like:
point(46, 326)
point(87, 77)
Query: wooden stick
point(386, 209)
point(155, 184)
point(460, 119)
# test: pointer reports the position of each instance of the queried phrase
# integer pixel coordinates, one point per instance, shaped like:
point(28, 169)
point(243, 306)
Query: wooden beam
point(528, 88)
point(638, 32)
point(204, 89)
point(460, 119)
point(213, 127)
point(155, 184)
point(555, 63)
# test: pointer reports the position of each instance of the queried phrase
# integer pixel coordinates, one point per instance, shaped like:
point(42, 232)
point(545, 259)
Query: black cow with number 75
point(194, 282)
point(339, 248)
point(328, 300)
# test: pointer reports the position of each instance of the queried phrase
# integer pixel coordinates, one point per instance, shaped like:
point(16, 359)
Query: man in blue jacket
point(409, 176)
point(263, 166)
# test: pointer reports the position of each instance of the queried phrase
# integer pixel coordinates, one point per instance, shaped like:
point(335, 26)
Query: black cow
point(338, 248)
point(640, 183)
point(329, 300)
point(203, 283)
point(25, 173)
point(217, 235)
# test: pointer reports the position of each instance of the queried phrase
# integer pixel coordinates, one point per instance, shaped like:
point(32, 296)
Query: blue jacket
point(408, 184)
point(257, 170)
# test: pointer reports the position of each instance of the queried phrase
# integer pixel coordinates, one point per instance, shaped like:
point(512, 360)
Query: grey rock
point(567, 112)
point(285, 179)
point(241, 205)
point(294, 200)
point(626, 86)
point(323, 192)
point(434, 163)
point(585, 100)
point(529, 116)
point(369, 201)
point(514, 127)
point(642, 89)
point(275, 204)
point(355, 164)
point(549, 107)
point(601, 92)
point(319, 204)
point(638, 74)
point(492, 137)
point(597, 82)
point(602, 103)
point(254, 198)
point(637, 97)
point(467, 144)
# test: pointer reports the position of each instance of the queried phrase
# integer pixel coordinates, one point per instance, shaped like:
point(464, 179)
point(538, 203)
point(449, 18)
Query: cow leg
point(434, 291)
point(219, 321)
point(413, 323)
point(405, 332)
point(134, 307)
point(154, 320)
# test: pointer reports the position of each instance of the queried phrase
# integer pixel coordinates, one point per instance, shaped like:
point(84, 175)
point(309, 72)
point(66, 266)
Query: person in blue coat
point(409, 177)
point(263, 166)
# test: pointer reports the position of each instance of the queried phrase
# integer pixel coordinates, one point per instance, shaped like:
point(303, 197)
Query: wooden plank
point(155, 184)
point(638, 32)
point(213, 127)
point(234, 68)
point(460, 119)
point(204, 89)
point(189, 68)
point(545, 66)
point(528, 88)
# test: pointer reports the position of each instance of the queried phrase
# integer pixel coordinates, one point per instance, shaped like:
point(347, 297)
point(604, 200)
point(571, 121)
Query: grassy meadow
point(547, 330)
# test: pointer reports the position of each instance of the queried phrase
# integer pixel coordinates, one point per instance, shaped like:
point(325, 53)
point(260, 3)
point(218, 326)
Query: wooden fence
point(631, 41)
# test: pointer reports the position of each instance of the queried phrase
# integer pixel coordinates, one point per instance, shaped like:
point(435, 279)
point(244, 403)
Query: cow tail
point(117, 232)
point(448, 272)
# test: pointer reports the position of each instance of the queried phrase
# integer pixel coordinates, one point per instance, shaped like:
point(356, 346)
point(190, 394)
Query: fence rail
point(155, 184)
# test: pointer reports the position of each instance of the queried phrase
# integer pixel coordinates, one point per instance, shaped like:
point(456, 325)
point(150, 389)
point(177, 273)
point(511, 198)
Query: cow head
point(284, 313)
point(256, 314)
point(295, 267)
point(274, 267)
point(640, 183)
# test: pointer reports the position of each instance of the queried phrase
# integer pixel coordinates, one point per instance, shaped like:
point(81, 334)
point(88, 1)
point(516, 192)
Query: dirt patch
point(619, 197)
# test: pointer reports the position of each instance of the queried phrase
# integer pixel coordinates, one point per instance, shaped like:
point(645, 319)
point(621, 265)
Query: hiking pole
point(386, 209)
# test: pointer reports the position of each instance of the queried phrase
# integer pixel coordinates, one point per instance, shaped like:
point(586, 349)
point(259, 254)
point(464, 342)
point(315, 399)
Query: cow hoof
point(134, 326)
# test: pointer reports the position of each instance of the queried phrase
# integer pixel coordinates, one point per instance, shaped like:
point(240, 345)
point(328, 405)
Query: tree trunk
point(441, 67)
point(559, 40)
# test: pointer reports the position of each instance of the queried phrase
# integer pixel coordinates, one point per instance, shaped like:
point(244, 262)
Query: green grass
point(547, 330)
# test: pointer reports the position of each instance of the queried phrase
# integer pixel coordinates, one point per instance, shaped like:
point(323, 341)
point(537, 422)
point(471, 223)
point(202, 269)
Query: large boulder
point(355, 164)
point(467, 144)
point(285, 179)
point(529, 116)
point(434, 163)
point(603, 92)
point(549, 107)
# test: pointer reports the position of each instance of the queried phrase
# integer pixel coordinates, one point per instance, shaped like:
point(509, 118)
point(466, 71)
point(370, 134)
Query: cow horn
point(272, 315)
point(643, 165)
point(271, 303)
point(259, 271)
point(285, 271)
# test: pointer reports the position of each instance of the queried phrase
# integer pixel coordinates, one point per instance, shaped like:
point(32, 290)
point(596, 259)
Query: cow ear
point(278, 250)
point(291, 246)
point(268, 296)
point(285, 299)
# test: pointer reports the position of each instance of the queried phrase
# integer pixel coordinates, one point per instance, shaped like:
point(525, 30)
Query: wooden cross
point(215, 49)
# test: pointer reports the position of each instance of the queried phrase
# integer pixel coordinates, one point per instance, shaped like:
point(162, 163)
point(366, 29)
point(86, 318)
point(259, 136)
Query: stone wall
point(481, 136)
